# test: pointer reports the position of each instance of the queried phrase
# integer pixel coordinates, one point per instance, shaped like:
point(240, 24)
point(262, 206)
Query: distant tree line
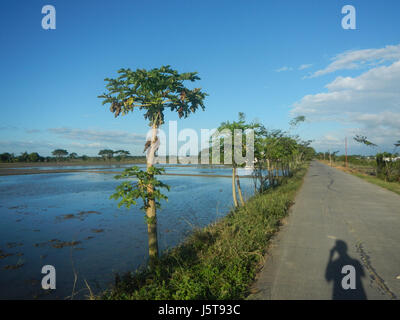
point(356, 159)
point(63, 155)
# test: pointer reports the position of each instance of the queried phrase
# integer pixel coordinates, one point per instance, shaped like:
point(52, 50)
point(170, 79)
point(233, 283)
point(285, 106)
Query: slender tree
point(153, 91)
point(235, 128)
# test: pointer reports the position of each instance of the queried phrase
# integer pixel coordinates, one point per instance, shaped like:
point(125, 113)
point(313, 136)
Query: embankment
point(219, 261)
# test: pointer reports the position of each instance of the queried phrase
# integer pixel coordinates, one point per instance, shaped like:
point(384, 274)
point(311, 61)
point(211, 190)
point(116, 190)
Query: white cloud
point(328, 141)
point(19, 146)
point(283, 69)
point(89, 141)
point(382, 136)
point(376, 90)
point(355, 59)
point(286, 68)
point(83, 141)
point(115, 137)
point(32, 130)
point(95, 145)
point(305, 66)
point(8, 128)
point(369, 103)
point(25, 144)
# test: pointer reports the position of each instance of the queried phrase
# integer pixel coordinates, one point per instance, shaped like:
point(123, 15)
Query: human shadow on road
point(336, 273)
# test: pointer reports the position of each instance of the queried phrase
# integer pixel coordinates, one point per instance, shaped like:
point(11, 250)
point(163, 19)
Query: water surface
point(67, 220)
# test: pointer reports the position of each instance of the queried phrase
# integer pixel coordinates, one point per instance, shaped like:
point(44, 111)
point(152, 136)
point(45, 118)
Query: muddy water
point(67, 220)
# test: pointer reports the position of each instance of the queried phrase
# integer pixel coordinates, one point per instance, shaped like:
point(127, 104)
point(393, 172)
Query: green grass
point(219, 261)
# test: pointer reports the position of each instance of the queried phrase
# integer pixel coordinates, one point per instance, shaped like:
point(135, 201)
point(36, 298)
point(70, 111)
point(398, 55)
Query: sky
point(272, 60)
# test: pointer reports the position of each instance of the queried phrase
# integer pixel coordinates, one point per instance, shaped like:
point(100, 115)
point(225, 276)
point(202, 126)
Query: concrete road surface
point(337, 220)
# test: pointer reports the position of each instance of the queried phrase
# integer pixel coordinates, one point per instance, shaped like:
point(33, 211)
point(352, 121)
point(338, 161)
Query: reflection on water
point(67, 220)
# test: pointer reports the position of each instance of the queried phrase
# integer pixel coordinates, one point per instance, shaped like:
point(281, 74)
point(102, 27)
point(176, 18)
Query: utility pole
point(346, 150)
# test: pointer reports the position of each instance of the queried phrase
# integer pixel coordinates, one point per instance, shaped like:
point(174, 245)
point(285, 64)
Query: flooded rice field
point(67, 220)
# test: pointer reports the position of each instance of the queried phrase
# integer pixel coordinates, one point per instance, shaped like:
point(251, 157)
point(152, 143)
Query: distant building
point(391, 159)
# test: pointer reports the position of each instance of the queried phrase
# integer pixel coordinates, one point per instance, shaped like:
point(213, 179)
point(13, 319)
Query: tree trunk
point(151, 210)
point(269, 173)
point(274, 175)
point(235, 202)
point(152, 232)
point(239, 191)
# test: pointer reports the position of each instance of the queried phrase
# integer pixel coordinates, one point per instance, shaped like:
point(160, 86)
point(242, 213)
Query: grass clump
point(219, 261)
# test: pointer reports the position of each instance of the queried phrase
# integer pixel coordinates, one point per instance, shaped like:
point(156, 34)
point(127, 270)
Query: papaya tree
point(129, 192)
point(153, 92)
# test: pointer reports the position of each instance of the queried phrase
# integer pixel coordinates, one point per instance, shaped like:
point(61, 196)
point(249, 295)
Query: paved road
point(335, 212)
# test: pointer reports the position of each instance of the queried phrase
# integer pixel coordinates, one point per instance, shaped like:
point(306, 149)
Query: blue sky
point(270, 59)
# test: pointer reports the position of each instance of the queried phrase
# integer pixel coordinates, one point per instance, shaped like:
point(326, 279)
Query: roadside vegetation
point(387, 164)
point(383, 169)
point(366, 170)
point(362, 164)
point(219, 261)
point(278, 154)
